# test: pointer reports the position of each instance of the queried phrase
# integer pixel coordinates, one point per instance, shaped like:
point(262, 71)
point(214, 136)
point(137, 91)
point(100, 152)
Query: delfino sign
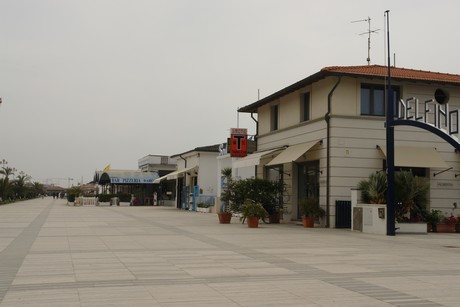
point(238, 142)
point(432, 115)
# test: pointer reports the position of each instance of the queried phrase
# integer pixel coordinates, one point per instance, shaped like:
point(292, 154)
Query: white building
point(195, 176)
point(325, 133)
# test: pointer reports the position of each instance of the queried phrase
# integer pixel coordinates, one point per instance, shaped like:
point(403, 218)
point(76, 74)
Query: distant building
point(194, 179)
point(53, 189)
point(157, 163)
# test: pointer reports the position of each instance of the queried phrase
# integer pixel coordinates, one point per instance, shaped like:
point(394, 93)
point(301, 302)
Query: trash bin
point(115, 201)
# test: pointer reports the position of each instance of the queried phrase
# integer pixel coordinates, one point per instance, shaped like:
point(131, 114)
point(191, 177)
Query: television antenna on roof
point(368, 32)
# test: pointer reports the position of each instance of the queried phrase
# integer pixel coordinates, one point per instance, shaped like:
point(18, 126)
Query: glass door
point(308, 181)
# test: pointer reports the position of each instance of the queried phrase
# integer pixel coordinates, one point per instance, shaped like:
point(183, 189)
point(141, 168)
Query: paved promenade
point(52, 254)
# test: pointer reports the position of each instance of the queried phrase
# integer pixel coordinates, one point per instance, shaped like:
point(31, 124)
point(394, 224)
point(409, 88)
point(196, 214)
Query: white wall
point(207, 173)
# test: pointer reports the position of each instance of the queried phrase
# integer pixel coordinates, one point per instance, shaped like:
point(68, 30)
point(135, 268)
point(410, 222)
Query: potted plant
point(373, 190)
point(225, 214)
point(433, 218)
point(265, 192)
point(447, 224)
point(457, 225)
point(310, 210)
point(202, 207)
point(252, 212)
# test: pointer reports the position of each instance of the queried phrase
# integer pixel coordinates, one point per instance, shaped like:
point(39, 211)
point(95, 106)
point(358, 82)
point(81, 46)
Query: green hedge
point(124, 197)
point(104, 197)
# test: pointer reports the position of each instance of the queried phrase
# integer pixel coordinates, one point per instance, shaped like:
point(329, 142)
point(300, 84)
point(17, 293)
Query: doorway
point(180, 194)
point(308, 181)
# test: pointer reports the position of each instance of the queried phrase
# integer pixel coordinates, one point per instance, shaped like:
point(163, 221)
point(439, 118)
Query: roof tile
point(397, 72)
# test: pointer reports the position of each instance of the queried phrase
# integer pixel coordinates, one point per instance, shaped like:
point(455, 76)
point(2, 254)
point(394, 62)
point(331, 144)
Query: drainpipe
point(184, 185)
point(327, 118)
point(185, 160)
point(257, 128)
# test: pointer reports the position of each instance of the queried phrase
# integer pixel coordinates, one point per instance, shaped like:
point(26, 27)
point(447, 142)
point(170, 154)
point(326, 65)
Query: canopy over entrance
point(252, 159)
point(292, 153)
point(127, 177)
point(176, 174)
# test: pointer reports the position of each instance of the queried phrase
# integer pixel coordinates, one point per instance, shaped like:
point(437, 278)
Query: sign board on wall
point(238, 142)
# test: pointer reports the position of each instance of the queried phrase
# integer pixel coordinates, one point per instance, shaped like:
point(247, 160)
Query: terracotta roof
point(396, 72)
point(367, 71)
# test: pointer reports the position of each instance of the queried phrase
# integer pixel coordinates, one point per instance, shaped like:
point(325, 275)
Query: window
point(305, 107)
point(373, 99)
point(274, 117)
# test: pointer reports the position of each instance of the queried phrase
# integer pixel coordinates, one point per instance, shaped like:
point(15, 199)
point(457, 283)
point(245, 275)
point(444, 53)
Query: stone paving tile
point(185, 294)
point(116, 296)
point(59, 297)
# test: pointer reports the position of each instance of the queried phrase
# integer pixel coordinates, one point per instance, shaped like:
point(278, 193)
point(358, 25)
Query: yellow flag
point(107, 168)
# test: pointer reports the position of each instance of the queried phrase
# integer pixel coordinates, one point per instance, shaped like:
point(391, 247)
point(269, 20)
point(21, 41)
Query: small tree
point(74, 192)
point(19, 185)
point(265, 192)
point(5, 184)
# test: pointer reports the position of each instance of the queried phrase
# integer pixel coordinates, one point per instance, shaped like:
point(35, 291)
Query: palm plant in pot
point(310, 210)
point(225, 214)
point(374, 189)
point(252, 212)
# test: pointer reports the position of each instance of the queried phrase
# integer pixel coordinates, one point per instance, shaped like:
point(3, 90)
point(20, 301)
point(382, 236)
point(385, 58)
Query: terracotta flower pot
point(224, 217)
point(445, 228)
point(253, 221)
point(308, 222)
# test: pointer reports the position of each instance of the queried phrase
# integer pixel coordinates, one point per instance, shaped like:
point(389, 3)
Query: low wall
point(368, 218)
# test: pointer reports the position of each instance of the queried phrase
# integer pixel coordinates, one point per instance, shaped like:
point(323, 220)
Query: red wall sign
point(238, 142)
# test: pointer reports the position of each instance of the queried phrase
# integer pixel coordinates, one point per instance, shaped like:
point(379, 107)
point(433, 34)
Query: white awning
point(252, 159)
point(174, 175)
point(424, 157)
point(292, 153)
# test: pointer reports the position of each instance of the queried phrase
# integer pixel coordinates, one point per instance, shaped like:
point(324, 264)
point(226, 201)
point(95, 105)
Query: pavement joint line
point(275, 259)
point(12, 257)
point(302, 272)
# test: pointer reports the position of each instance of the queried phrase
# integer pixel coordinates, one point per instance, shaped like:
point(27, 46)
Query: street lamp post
point(390, 144)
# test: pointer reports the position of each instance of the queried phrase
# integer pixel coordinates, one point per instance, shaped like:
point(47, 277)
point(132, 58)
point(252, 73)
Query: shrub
point(104, 197)
point(124, 197)
point(373, 190)
point(253, 209)
point(73, 192)
point(310, 207)
point(265, 192)
point(411, 193)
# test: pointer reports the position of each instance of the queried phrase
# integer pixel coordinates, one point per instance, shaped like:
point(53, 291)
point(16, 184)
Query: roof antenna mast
point(368, 32)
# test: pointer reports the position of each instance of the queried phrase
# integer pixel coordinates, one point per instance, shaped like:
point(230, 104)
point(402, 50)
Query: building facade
point(325, 133)
point(194, 178)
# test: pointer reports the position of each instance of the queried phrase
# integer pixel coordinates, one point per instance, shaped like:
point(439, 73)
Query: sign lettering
point(430, 112)
point(238, 142)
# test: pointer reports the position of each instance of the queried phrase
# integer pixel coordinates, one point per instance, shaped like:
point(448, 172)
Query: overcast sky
point(86, 83)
